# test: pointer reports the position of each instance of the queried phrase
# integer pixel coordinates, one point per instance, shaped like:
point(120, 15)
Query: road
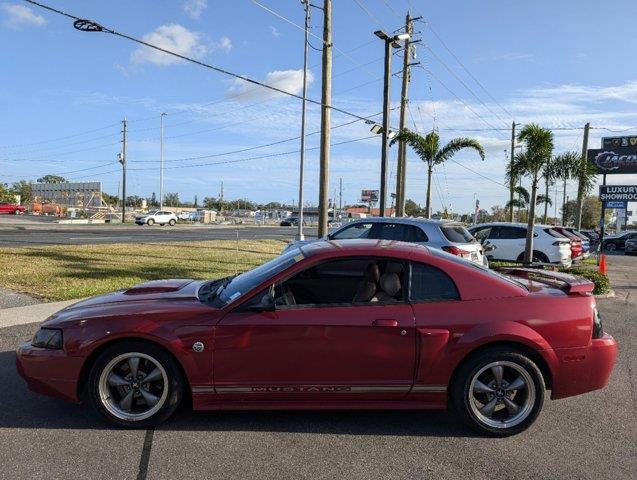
point(19, 231)
point(591, 436)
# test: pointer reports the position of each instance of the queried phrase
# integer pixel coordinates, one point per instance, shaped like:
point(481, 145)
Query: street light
point(390, 42)
point(161, 162)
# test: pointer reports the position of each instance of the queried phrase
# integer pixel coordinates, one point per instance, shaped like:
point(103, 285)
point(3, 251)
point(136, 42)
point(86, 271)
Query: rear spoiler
point(569, 284)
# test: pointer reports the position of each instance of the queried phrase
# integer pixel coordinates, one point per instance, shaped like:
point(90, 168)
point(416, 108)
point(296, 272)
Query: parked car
point(593, 237)
point(587, 244)
point(578, 249)
point(507, 242)
point(161, 217)
point(352, 324)
point(11, 208)
point(291, 222)
point(452, 237)
point(630, 247)
point(617, 242)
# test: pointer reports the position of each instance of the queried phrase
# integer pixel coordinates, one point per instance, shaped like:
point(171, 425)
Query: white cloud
point(286, 80)
point(224, 44)
point(194, 8)
point(274, 31)
point(18, 15)
point(172, 37)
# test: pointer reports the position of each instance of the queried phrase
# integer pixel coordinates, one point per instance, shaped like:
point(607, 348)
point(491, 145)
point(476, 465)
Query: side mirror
point(489, 247)
point(265, 305)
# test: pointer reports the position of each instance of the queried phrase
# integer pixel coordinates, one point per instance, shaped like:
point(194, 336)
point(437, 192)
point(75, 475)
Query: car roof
point(364, 247)
point(406, 220)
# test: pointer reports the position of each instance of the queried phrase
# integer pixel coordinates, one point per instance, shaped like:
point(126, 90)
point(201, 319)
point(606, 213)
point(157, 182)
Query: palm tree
point(522, 200)
point(567, 166)
point(429, 151)
point(538, 144)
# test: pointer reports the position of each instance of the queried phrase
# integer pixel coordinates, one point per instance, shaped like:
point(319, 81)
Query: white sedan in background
point(162, 217)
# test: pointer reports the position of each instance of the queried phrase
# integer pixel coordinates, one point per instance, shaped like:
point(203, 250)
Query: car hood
point(156, 296)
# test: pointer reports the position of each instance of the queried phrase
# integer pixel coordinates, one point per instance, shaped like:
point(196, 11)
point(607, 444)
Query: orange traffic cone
point(602, 264)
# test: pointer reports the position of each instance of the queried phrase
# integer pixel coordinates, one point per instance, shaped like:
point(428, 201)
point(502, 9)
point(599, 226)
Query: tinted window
point(554, 233)
point(344, 282)
point(358, 230)
point(401, 232)
point(482, 233)
point(456, 233)
point(430, 283)
point(511, 233)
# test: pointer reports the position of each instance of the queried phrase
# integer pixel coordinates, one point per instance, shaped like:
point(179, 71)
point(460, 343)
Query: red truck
point(11, 208)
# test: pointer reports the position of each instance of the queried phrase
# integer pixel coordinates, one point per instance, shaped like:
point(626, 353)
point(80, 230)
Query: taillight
point(457, 251)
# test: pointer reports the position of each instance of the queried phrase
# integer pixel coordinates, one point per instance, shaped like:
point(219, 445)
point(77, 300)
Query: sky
point(64, 93)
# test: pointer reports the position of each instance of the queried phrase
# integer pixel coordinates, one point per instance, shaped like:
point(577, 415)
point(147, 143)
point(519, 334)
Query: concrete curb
point(31, 313)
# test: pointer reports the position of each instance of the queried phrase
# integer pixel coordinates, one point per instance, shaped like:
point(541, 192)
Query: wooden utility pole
point(580, 185)
point(512, 179)
point(326, 102)
point(122, 160)
point(401, 172)
point(385, 132)
point(300, 235)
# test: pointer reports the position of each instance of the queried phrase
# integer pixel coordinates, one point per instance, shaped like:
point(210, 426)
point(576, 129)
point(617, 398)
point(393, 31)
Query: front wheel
point(150, 222)
point(172, 222)
point(611, 247)
point(135, 384)
point(499, 392)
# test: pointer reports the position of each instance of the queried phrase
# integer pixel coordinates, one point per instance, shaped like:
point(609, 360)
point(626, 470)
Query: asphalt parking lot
point(591, 436)
point(18, 231)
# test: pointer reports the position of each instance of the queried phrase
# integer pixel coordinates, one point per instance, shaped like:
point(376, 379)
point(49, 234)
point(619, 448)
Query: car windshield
point(153, 212)
point(457, 234)
point(247, 281)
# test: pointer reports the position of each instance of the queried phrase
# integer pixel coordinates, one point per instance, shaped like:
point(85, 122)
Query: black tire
point(174, 385)
point(462, 400)
point(610, 247)
point(172, 222)
point(150, 222)
point(538, 257)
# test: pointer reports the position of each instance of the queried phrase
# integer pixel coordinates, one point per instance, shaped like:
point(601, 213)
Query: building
point(69, 194)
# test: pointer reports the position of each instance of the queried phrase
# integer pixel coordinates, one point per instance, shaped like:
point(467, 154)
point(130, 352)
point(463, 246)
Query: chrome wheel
point(133, 386)
point(502, 394)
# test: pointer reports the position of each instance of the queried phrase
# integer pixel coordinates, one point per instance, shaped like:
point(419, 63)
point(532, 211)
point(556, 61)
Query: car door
point(508, 240)
point(321, 341)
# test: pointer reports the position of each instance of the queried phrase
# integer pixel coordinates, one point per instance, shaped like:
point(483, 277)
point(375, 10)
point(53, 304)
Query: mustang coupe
point(352, 324)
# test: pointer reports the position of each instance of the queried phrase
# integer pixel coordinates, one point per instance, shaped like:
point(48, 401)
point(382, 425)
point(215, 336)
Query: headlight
point(48, 338)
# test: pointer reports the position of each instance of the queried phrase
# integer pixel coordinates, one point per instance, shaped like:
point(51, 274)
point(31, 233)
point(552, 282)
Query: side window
point(344, 282)
point(391, 231)
point(511, 233)
point(431, 284)
point(415, 234)
point(358, 230)
point(482, 234)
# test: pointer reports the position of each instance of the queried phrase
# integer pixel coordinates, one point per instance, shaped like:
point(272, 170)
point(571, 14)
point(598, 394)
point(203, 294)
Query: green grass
point(75, 271)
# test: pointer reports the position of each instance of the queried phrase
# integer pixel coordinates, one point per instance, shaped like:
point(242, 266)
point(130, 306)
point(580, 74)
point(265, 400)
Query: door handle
point(385, 322)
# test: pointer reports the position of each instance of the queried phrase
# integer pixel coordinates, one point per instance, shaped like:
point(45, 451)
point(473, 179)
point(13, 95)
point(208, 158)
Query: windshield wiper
point(211, 290)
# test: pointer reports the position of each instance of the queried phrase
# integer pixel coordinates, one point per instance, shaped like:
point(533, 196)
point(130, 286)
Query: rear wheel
point(135, 384)
point(150, 221)
point(498, 392)
point(611, 247)
point(538, 257)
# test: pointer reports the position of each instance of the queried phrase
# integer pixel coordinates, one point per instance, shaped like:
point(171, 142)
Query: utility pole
point(326, 102)
point(401, 172)
point(122, 160)
point(340, 196)
point(512, 179)
point(306, 6)
point(161, 161)
point(580, 186)
point(385, 146)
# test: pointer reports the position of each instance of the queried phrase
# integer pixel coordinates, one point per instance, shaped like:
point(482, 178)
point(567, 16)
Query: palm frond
point(425, 147)
point(454, 146)
point(515, 203)
point(523, 193)
point(544, 199)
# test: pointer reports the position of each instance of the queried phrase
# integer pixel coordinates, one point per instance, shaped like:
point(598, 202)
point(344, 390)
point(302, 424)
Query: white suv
point(507, 241)
point(161, 217)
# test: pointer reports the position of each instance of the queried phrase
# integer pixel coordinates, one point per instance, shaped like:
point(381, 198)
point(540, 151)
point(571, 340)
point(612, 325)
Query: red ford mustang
point(334, 325)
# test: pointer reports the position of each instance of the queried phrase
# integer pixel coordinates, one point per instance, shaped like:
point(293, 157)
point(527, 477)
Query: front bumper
point(584, 369)
point(49, 372)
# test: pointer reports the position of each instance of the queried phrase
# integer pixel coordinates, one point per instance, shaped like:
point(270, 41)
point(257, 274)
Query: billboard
point(618, 193)
point(369, 196)
point(71, 194)
point(617, 142)
point(614, 160)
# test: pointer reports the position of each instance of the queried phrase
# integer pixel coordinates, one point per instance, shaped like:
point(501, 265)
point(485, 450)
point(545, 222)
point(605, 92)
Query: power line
point(374, 18)
point(443, 43)
point(19, 145)
point(96, 27)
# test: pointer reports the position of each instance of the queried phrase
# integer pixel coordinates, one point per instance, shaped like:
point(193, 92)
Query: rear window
point(554, 233)
point(456, 234)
